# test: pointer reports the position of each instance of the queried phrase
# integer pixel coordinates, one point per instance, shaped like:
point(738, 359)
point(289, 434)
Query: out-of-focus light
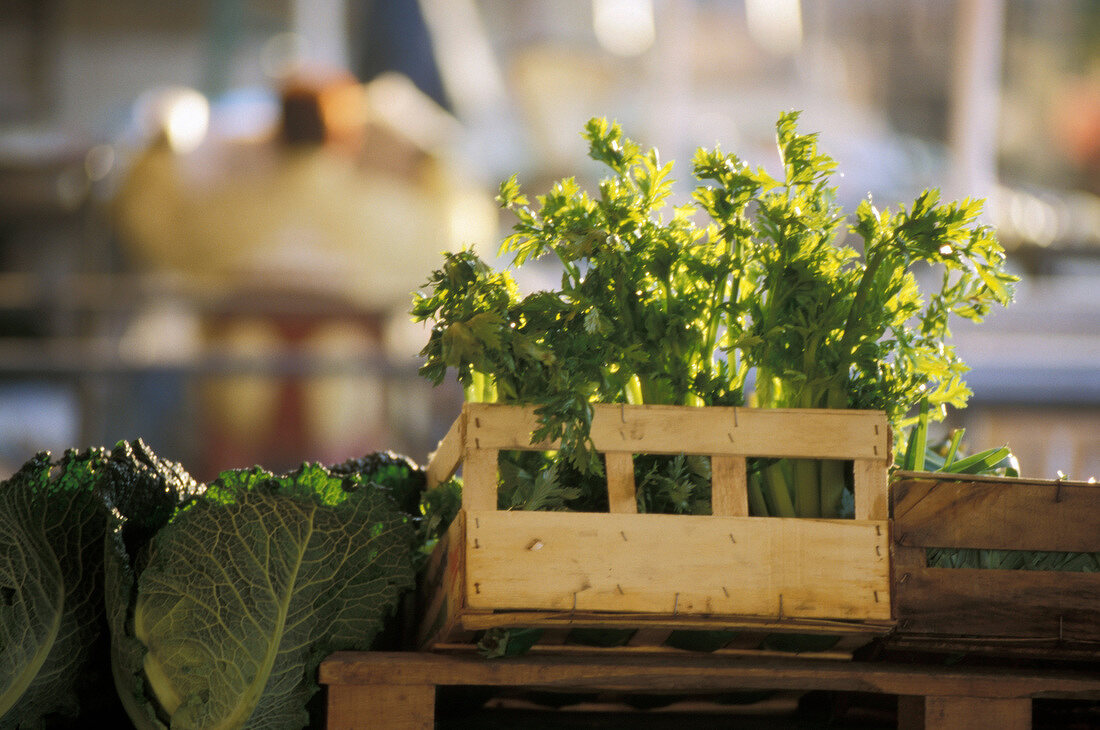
point(1033, 219)
point(624, 27)
point(99, 161)
point(186, 119)
point(776, 25)
point(283, 54)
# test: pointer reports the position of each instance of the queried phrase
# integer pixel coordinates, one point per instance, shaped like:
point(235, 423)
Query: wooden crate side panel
point(997, 515)
point(442, 586)
point(677, 564)
point(999, 603)
point(715, 430)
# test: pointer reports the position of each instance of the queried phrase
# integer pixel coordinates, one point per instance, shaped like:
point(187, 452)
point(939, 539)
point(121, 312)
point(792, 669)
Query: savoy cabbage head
point(247, 589)
point(53, 527)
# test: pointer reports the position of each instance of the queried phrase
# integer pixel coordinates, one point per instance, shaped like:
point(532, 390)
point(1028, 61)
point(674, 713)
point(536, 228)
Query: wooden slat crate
point(1025, 612)
point(658, 573)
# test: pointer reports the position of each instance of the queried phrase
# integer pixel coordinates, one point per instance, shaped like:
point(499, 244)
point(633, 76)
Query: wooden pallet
point(396, 691)
point(1010, 612)
point(660, 573)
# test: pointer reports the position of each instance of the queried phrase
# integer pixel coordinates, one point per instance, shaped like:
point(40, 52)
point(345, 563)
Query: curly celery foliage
point(654, 308)
point(53, 526)
point(246, 590)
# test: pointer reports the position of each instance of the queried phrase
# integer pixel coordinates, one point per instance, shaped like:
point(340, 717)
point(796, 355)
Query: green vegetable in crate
point(655, 308)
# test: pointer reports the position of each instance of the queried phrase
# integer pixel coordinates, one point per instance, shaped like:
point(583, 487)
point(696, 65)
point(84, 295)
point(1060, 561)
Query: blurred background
point(213, 214)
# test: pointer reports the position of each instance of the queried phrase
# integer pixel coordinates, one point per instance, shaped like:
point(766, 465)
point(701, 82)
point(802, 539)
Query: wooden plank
point(654, 429)
point(903, 563)
point(910, 712)
point(678, 564)
point(729, 486)
point(483, 620)
point(871, 489)
point(997, 515)
point(395, 707)
point(444, 461)
point(987, 647)
point(621, 495)
point(999, 603)
point(503, 427)
point(479, 479)
point(901, 475)
point(967, 713)
point(695, 672)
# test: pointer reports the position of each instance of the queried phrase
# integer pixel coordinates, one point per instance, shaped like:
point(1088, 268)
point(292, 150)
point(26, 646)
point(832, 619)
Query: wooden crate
point(1025, 612)
point(658, 573)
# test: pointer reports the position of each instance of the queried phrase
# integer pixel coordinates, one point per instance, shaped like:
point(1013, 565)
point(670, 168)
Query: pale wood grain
point(480, 471)
point(729, 486)
point(444, 461)
point(678, 564)
point(872, 489)
point(621, 495)
point(655, 429)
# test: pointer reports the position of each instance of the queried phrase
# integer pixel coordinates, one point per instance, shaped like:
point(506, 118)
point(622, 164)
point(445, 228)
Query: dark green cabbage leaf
point(53, 527)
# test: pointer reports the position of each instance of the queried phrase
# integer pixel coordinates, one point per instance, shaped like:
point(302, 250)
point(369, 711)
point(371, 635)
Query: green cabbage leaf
point(247, 588)
point(53, 528)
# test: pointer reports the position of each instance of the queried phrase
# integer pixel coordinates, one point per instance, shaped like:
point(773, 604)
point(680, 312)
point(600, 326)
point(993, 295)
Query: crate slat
point(621, 494)
point(998, 515)
point(730, 486)
point(1000, 603)
point(686, 564)
point(479, 479)
point(482, 620)
point(448, 454)
point(872, 487)
point(654, 429)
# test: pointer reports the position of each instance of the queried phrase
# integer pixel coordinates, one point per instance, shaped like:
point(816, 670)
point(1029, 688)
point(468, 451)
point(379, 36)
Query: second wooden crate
point(1040, 613)
point(655, 572)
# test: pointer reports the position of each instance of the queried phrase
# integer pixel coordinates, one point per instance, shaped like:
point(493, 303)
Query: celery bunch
point(761, 291)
